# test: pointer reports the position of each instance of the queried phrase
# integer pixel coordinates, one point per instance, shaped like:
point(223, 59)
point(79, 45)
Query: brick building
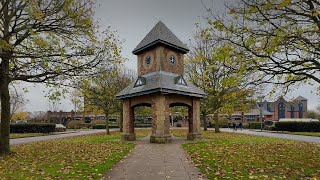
point(297, 108)
point(160, 85)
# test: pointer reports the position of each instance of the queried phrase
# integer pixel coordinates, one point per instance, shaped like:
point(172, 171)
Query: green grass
point(16, 135)
point(317, 134)
point(239, 156)
point(83, 157)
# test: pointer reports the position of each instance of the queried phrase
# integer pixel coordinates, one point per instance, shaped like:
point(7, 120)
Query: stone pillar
point(128, 121)
point(160, 120)
point(194, 120)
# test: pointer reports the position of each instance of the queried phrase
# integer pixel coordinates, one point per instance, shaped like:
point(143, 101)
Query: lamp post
point(261, 109)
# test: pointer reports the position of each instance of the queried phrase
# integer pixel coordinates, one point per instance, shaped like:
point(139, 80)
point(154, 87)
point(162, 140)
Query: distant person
point(234, 126)
point(240, 126)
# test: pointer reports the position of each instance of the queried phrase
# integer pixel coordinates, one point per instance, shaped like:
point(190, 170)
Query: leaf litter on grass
point(240, 156)
point(84, 157)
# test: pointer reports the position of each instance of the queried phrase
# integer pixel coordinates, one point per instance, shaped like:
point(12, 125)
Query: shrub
point(255, 125)
point(103, 126)
point(95, 122)
point(269, 127)
point(298, 126)
point(99, 126)
point(78, 125)
point(245, 125)
point(32, 128)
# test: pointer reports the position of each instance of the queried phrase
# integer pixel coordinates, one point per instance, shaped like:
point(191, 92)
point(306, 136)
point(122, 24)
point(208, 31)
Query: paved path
point(312, 139)
point(57, 136)
point(155, 162)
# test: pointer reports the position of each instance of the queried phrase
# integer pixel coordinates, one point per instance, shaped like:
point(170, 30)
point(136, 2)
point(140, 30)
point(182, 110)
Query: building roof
point(160, 33)
point(160, 81)
point(300, 98)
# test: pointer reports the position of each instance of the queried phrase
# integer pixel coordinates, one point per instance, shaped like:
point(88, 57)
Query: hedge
point(255, 125)
point(32, 128)
point(298, 126)
point(103, 126)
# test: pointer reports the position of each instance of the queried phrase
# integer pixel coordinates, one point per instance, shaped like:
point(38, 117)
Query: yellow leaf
point(284, 3)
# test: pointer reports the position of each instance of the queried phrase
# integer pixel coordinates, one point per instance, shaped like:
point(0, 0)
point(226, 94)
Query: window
point(172, 60)
point(268, 107)
point(181, 81)
point(140, 81)
point(281, 110)
point(292, 111)
point(148, 60)
point(300, 110)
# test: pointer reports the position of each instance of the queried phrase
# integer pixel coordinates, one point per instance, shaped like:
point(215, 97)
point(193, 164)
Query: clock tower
point(160, 85)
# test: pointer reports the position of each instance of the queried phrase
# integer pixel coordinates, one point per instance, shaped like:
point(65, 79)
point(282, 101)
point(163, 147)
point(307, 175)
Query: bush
point(298, 126)
point(32, 128)
point(78, 125)
point(255, 125)
point(245, 125)
point(103, 126)
point(269, 128)
point(95, 122)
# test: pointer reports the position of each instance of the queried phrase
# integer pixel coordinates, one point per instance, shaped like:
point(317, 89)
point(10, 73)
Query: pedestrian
point(240, 126)
point(234, 126)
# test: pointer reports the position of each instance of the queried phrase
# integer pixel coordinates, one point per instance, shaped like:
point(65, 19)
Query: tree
point(77, 100)
point(20, 116)
point(47, 41)
point(227, 87)
point(313, 114)
point(100, 90)
point(278, 38)
point(17, 101)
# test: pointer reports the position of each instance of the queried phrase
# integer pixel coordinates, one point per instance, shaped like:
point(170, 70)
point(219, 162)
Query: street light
point(260, 98)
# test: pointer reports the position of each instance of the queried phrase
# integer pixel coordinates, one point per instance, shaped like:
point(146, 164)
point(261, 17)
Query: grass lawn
point(17, 135)
point(317, 134)
point(82, 157)
point(239, 156)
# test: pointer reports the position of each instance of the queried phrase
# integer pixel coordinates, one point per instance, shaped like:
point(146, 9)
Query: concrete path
point(57, 136)
point(311, 139)
point(155, 162)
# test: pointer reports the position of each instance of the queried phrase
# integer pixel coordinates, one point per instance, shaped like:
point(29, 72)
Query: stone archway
point(160, 108)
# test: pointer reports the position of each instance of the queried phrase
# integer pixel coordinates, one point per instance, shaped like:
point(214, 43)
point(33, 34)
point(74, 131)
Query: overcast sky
point(133, 19)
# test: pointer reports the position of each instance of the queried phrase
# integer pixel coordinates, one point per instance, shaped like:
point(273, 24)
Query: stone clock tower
point(160, 85)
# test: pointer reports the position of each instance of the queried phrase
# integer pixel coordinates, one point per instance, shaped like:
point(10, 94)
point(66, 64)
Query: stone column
point(160, 120)
point(128, 121)
point(194, 120)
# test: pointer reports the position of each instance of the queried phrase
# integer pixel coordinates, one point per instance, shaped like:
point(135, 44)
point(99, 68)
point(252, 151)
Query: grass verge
point(239, 156)
point(317, 134)
point(83, 157)
point(16, 135)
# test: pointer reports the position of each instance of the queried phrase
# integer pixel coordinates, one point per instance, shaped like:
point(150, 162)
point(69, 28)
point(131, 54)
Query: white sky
point(133, 20)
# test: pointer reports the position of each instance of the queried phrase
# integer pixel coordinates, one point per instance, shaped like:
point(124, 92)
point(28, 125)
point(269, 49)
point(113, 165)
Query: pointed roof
point(160, 33)
point(300, 98)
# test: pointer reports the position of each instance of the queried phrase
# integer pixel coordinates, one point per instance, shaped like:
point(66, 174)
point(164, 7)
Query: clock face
point(148, 60)
point(172, 60)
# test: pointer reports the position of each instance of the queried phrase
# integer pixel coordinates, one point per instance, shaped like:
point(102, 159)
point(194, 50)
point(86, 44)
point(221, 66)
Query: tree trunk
point(107, 122)
point(5, 107)
point(216, 123)
point(121, 118)
point(204, 120)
